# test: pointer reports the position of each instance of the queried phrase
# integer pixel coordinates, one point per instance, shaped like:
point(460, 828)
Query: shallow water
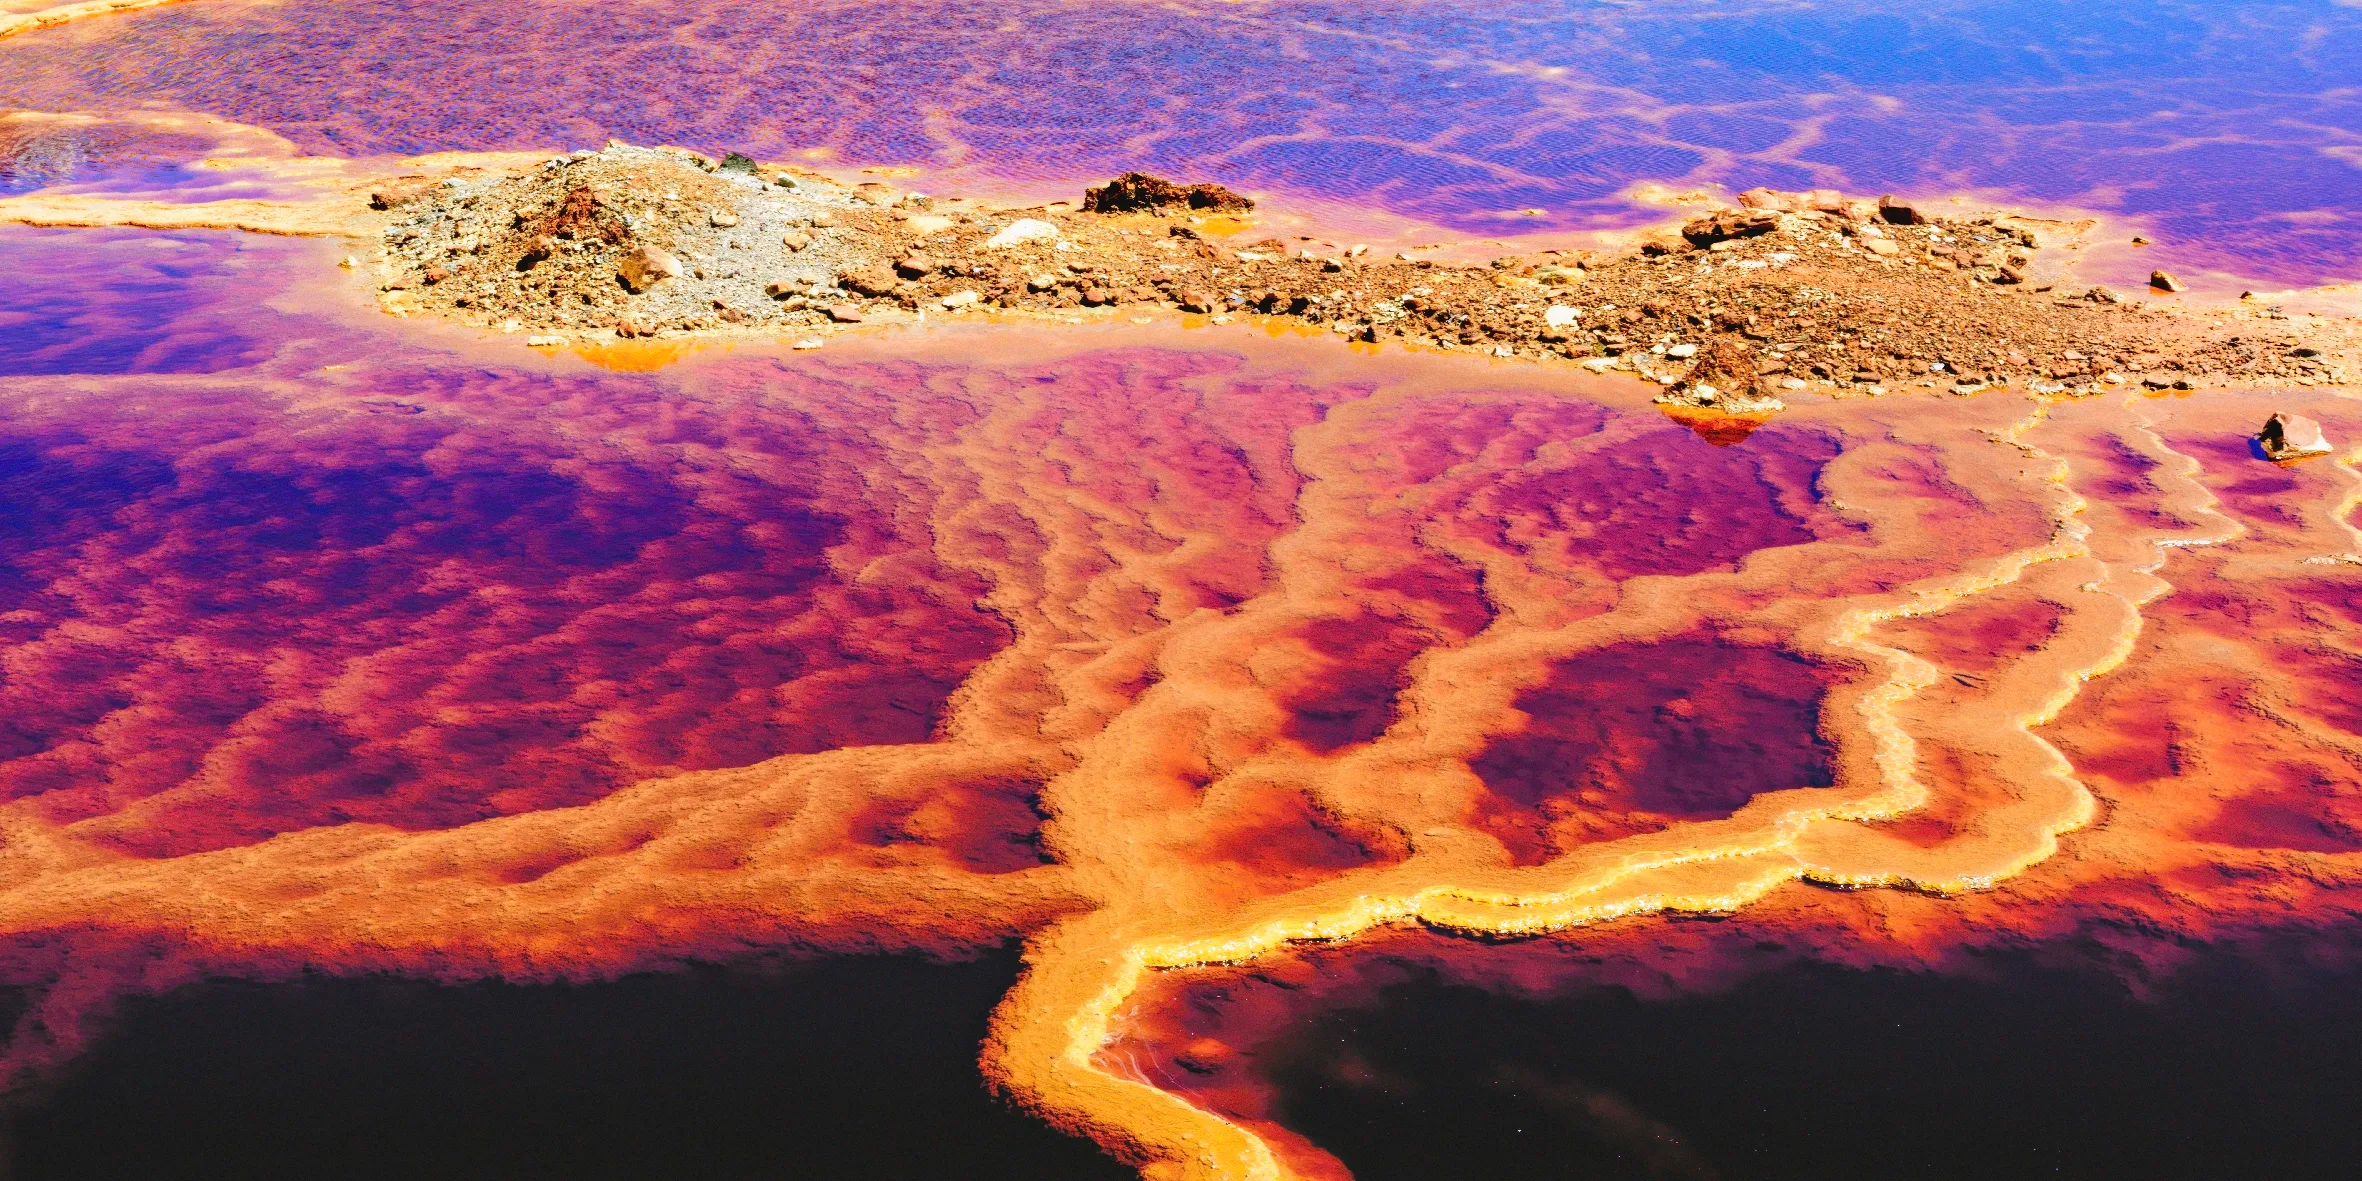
point(421, 660)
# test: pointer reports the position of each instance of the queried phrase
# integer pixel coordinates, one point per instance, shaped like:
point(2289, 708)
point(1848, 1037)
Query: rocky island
point(1780, 293)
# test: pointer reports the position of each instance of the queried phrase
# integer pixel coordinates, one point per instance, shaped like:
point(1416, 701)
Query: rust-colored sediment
point(1160, 654)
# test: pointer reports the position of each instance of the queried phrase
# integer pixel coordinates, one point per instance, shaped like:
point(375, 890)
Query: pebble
point(844, 313)
point(961, 299)
point(809, 342)
point(1559, 316)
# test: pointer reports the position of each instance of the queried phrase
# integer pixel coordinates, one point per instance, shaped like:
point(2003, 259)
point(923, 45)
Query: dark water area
point(2239, 1065)
point(849, 1068)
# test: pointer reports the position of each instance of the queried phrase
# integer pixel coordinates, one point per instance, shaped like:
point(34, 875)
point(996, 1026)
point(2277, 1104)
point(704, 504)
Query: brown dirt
point(1809, 291)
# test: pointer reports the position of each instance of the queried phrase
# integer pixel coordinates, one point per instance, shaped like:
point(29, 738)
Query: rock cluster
point(1134, 192)
point(630, 240)
point(1786, 292)
point(1724, 380)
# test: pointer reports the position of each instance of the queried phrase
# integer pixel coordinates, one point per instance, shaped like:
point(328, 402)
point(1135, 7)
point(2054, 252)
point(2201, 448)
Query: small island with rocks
point(1781, 292)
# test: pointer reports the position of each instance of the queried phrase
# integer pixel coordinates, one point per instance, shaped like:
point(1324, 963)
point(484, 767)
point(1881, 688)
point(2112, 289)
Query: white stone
point(1682, 352)
point(929, 223)
point(1020, 232)
point(544, 342)
point(960, 299)
point(1559, 316)
point(1600, 364)
point(809, 342)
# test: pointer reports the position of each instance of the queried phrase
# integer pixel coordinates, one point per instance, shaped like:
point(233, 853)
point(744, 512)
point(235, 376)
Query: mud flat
point(1785, 292)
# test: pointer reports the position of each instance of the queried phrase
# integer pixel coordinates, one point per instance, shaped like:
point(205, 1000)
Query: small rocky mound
point(2292, 436)
point(1724, 380)
point(1138, 192)
point(629, 239)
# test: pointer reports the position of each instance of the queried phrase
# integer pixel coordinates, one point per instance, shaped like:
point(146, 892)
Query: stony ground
point(1785, 292)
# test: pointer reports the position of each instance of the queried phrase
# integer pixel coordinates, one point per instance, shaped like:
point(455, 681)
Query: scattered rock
point(1882, 247)
point(795, 240)
point(2292, 436)
point(1135, 192)
point(961, 299)
point(1724, 381)
point(1196, 299)
point(911, 266)
point(845, 313)
point(1020, 232)
point(722, 219)
point(2164, 281)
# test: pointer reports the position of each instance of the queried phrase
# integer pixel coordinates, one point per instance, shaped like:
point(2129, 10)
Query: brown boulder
point(1809, 201)
point(844, 313)
point(1137, 191)
point(2164, 281)
point(1901, 213)
point(1195, 299)
point(869, 280)
point(400, 191)
point(645, 267)
point(2292, 436)
point(1725, 224)
point(913, 266)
